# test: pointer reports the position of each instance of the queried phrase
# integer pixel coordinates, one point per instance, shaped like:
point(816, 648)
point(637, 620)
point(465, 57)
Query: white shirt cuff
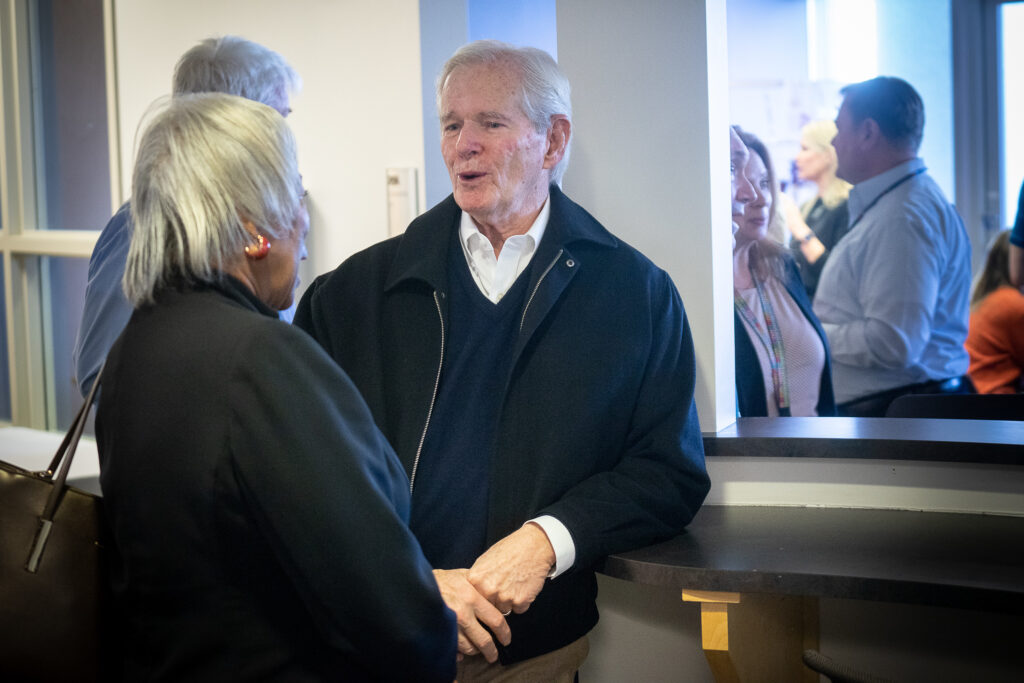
point(561, 540)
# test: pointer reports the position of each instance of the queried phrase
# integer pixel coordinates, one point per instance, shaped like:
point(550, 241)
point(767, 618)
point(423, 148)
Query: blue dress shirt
point(893, 297)
point(106, 310)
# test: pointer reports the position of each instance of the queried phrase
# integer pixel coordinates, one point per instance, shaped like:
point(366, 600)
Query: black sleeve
point(329, 494)
point(304, 311)
point(661, 479)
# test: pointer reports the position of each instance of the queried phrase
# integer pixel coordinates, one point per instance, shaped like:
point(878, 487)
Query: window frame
point(24, 241)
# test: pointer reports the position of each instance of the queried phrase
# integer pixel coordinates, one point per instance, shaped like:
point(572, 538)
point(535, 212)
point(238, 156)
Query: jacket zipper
point(537, 286)
point(433, 398)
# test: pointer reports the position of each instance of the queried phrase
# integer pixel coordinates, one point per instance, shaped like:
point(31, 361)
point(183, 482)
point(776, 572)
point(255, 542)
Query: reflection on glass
point(73, 99)
point(788, 61)
point(1011, 22)
point(64, 296)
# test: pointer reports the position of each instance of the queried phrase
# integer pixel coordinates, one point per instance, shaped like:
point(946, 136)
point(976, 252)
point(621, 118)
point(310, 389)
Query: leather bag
point(54, 598)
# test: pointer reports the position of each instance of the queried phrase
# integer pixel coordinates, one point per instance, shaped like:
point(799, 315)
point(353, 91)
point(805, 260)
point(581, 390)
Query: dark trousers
point(876, 405)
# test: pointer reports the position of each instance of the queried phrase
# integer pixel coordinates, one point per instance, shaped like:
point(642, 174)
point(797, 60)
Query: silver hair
point(206, 164)
point(545, 90)
point(236, 66)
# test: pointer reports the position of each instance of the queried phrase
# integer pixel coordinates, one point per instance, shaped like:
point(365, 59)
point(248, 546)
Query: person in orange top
point(995, 337)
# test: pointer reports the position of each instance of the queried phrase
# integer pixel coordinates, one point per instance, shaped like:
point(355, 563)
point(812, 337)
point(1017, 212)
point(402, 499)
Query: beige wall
point(359, 111)
point(649, 160)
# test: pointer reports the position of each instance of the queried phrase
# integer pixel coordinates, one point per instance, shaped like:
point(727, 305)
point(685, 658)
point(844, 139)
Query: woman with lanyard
point(782, 357)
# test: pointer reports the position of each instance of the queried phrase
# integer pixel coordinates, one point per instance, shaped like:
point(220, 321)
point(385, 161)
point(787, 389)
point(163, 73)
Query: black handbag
point(54, 598)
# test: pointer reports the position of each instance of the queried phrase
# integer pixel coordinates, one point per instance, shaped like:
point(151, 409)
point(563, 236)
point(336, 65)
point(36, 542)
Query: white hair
point(236, 66)
point(544, 88)
point(206, 164)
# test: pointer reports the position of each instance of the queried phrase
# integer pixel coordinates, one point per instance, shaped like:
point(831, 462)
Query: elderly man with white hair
point(534, 373)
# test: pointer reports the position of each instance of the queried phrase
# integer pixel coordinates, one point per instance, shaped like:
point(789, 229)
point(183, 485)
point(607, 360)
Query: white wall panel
point(359, 111)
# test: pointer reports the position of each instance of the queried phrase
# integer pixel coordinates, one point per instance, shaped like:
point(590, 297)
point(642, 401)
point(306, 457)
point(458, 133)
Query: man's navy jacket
point(598, 426)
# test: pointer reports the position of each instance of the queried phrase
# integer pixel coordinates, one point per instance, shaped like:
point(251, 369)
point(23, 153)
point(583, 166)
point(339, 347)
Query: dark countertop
point(934, 558)
point(981, 441)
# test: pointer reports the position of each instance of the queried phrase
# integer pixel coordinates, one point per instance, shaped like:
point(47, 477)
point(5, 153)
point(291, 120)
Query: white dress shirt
point(893, 296)
point(495, 276)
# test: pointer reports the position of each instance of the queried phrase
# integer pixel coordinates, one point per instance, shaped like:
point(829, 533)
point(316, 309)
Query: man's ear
point(558, 140)
point(869, 132)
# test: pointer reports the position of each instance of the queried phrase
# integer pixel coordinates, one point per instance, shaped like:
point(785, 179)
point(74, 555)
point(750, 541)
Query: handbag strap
point(66, 452)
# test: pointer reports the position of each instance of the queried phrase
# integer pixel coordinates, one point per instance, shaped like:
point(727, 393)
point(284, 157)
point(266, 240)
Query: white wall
point(358, 113)
point(649, 159)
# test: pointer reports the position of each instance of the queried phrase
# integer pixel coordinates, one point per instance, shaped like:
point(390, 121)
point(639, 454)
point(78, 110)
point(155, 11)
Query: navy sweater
point(449, 503)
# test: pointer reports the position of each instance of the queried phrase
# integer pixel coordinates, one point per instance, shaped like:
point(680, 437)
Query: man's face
point(848, 152)
point(742, 190)
point(495, 157)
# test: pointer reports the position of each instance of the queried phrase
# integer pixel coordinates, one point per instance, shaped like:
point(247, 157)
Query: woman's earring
point(259, 250)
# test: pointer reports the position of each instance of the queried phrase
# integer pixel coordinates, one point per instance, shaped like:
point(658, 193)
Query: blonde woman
point(819, 225)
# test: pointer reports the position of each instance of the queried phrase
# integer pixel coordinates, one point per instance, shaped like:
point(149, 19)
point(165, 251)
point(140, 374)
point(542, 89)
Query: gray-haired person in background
point(229, 65)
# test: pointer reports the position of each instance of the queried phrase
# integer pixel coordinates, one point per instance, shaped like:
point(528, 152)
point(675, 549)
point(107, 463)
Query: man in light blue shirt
point(893, 297)
point(228, 64)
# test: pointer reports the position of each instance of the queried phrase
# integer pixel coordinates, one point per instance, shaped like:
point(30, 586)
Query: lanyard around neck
point(770, 337)
point(885, 192)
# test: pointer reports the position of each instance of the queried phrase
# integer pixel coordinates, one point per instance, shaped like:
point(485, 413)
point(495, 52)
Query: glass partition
point(1011, 68)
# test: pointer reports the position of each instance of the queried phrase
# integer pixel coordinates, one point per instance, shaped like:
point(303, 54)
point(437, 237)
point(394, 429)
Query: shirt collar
point(865, 192)
point(473, 240)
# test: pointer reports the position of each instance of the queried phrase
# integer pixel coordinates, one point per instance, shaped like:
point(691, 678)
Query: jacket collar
point(237, 291)
point(225, 285)
point(423, 250)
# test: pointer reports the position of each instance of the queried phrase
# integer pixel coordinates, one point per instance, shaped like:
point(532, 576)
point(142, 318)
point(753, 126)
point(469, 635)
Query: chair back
point(959, 406)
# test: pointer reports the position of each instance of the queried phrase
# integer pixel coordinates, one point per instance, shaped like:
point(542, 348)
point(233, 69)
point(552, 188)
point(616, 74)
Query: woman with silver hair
point(819, 225)
point(258, 515)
